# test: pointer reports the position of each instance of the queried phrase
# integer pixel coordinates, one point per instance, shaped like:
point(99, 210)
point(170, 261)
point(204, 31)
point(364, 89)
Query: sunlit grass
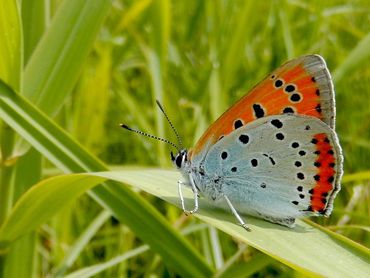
point(197, 58)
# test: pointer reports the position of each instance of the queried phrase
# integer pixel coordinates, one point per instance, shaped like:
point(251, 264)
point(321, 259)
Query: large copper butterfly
point(274, 154)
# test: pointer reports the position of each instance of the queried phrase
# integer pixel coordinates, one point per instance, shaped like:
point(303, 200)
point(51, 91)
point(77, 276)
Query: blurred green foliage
point(197, 58)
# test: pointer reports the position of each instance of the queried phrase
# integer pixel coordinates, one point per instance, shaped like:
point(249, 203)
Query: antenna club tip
point(159, 105)
point(124, 126)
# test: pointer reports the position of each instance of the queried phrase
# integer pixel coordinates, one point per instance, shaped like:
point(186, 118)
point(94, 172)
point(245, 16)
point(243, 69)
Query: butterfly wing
point(301, 86)
point(278, 167)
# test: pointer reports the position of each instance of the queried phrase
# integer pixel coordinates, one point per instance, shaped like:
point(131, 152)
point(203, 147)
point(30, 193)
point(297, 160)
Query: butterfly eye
point(178, 160)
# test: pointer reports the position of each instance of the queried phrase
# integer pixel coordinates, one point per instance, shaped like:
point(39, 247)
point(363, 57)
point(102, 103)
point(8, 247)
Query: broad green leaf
point(142, 218)
point(308, 248)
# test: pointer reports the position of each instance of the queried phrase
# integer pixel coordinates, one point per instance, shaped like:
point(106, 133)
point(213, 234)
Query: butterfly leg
point(236, 214)
point(196, 196)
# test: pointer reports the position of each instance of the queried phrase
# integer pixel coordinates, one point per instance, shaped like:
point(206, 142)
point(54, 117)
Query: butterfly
point(274, 154)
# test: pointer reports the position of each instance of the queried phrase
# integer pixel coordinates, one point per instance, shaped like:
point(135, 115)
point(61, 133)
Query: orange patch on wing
point(272, 100)
point(326, 173)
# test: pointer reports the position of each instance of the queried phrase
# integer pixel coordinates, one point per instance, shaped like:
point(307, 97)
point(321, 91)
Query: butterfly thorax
point(207, 184)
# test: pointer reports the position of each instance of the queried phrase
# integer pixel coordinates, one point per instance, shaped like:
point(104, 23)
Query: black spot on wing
point(279, 136)
point(224, 155)
point(258, 110)
point(288, 110)
point(295, 145)
point(237, 124)
point(277, 123)
point(244, 139)
point(278, 83)
point(289, 88)
point(254, 162)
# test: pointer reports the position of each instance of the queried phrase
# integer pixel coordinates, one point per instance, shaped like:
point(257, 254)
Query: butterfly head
point(181, 159)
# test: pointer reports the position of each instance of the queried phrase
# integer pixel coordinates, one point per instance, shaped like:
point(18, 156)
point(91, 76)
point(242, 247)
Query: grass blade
point(55, 64)
point(354, 60)
point(11, 43)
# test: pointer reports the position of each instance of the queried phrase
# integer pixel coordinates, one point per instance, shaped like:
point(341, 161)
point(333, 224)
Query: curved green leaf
point(43, 201)
point(308, 248)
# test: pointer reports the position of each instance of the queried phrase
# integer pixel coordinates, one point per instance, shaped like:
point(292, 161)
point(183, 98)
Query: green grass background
point(197, 58)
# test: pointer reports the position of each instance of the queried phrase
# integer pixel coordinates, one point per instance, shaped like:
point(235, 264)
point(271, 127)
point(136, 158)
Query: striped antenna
point(150, 136)
point(171, 125)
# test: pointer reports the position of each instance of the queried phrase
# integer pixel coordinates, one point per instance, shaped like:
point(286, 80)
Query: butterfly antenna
point(170, 123)
point(150, 136)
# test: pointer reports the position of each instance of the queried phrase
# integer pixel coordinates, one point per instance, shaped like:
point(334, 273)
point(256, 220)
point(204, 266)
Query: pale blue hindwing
point(254, 166)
